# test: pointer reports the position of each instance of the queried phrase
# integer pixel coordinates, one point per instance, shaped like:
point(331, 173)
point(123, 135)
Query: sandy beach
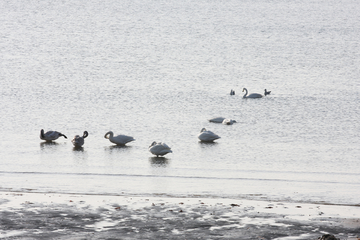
point(69, 216)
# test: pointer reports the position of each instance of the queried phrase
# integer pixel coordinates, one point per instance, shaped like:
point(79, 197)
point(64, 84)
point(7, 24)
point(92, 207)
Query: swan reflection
point(48, 145)
point(207, 144)
point(159, 161)
point(78, 149)
point(118, 148)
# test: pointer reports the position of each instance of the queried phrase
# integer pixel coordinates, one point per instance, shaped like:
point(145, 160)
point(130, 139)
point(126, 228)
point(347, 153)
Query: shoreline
point(25, 215)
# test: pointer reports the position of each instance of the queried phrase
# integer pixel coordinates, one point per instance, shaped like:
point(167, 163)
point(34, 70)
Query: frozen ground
point(66, 216)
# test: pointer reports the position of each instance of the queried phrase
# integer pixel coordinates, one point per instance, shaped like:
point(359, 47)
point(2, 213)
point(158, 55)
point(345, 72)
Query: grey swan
point(251, 95)
point(159, 149)
point(79, 141)
point(207, 136)
point(50, 136)
point(119, 139)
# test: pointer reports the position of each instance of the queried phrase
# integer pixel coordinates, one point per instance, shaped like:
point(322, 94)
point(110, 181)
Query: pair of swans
point(156, 148)
point(50, 136)
point(255, 95)
point(225, 121)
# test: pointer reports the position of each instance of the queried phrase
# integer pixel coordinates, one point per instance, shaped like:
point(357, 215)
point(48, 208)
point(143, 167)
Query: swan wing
point(165, 146)
point(165, 151)
point(217, 120)
point(255, 95)
point(51, 135)
point(121, 139)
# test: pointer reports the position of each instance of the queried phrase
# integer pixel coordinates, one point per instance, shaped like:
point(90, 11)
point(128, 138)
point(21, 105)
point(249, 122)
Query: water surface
point(158, 71)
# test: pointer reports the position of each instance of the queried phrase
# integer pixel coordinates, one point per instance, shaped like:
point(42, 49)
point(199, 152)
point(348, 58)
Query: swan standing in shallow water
point(50, 135)
point(159, 149)
point(207, 136)
point(119, 139)
point(252, 95)
point(79, 141)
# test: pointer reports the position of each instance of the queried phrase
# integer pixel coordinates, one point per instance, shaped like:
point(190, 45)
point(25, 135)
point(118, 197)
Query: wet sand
point(69, 216)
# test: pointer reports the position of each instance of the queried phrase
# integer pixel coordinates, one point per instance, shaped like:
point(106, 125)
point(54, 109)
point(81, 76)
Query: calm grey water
point(157, 71)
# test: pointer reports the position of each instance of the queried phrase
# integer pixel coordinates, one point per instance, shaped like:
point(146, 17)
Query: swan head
point(85, 134)
point(153, 144)
point(203, 130)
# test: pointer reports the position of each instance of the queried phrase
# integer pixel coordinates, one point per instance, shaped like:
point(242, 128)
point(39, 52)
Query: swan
point(228, 121)
point(207, 136)
point(266, 92)
point(159, 149)
point(232, 92)
point(79, 141)
point(50, 135)
point(217, 120)
point(119, 139)
point(252, 95)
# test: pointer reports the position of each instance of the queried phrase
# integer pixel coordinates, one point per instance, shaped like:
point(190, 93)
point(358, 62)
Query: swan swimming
point(217, 120)
point(207, 136)
point(252, 95)
point(79, 141)
point(50, 135)
point(119, 139)
point(159, 149)
point(266, 92)
point(228, 121)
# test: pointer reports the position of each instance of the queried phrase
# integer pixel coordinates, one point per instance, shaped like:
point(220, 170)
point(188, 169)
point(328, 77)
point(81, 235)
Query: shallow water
point(158, 71)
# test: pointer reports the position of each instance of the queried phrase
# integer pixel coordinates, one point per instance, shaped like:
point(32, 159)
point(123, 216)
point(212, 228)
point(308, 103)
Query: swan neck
point(106, 135)
point(42, 136)
point(246, 92)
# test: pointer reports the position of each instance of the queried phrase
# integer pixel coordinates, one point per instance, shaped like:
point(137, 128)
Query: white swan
point(266, 92)
point(217, 120)
point(118, 140)
point(207, 136)
point(50, 135)
point(228, 121)
point(252, 95)
point(79, 141)
point(159, 149)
